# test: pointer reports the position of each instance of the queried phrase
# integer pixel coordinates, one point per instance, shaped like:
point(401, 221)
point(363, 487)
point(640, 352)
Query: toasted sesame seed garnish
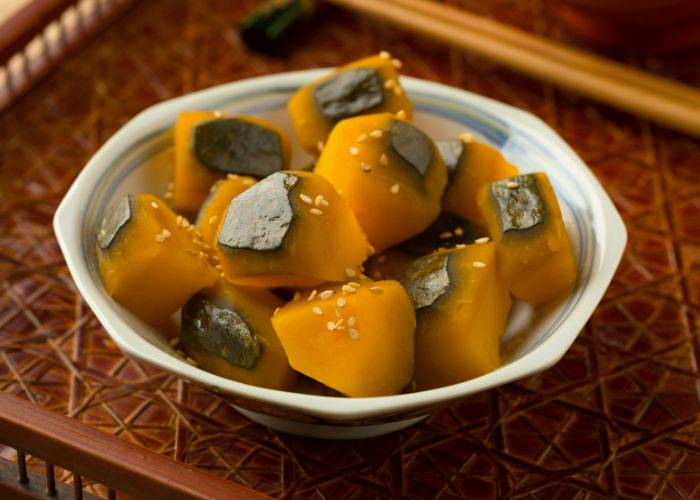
point(351, 321)
point(512, 185)
point(231, 176)
point(459, 231)
point(248, 182)
point(354, 334)
point(312, 295)
point(401, 114)
point(371, 249)
point(318, 200)
point(381, 259)
point(460, 245)
point(202, 255)
point(384, 160)
point(446, 235)
point(330, 325)
point(476, 263)
point(339, 323)
point(297, 295)
point(466, 137)
point(376, 290)
point(222, 275)
point(316, 211)
point(320, 146)
point(191, 361)
point(389, 83)
point(217, 114)
point(347, 289)
point(219, 267)
point(159, 238)
point(362, 138)
point(354, 151)
point(306, 199)
point(341, 302)
point(154, 204)
point(385, 54)
point(174, 341)
point(166, 233)
point(213, 219)
point(186, 223)
point(338, 312)
point(350, 272)
point(395, 188)
point(376, 133)
point(377, 275)
point(397, 90)
point(366, 168)
point(277, 309)
point(180, 353)
point(317, 311)
point(341, 193)
point(353, 284)
point(102, 232)
point(481, 241)
point(326, 294)
point(168, 195)
point(396, 63)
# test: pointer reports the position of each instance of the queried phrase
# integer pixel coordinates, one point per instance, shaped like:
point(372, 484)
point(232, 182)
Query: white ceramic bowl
point(534, 339)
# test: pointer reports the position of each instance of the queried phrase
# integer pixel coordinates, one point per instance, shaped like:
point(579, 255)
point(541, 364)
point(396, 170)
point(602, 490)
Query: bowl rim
point(610, 232)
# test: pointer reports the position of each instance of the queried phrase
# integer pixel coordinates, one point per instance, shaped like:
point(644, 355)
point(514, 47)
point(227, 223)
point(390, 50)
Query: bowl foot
point(321, 431)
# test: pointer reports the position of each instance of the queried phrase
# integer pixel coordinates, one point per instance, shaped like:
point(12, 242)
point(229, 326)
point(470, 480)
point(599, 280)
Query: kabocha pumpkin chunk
point(209, 145)
point(150, 261)
point(356, 339)
point(389, 171)
point(227, 331)
point(471, 165)
point(462, 307)
point(369, 85)
point(535, 254)
point(290, 229)
point(212, 211)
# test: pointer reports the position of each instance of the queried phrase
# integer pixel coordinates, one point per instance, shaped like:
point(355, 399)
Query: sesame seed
point(159, 238)
point(384, 160)
point(277, 309)
point(460, 246)
point(385, 54)
point(312, 295)
point(330, 325)
point(231, 176)
point(389, 83)
point(341, 194)
point(397, 90)
point(167, 234)
point(201, 255)
point(219, 267)
point(186, 223)
point(297, 295)
point(354, 334)
point(306, 198)
point(396, 63)
point(353, 284)
point(338, 312)
point(446, 235)
point(320, 146)
point(371, 249)
point(339, 323)
point(168, 195)
point(366, 167)
point(377, 275)
point(349, 272)
point(318, 200)
point(174, 341)
point(341, 302)
point(376, 290)
point(317, 311)
point(217, 114)
point(395, 188)
point(326, 294)
point(476, 263)
point(154, 204)
point(354, 151)
point(362, 138)
point(459, 231)
point(316, 211)
point(351, 321)
point(213, 219)
point(347, 289)
point(180, 353)
point(191, 361)
point(512, 185)
point(401, 114)
point(466, 137)
point(481, 241)
point(376, 133)
point(248, 182)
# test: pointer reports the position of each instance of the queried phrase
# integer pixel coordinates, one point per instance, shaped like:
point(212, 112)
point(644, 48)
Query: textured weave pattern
point(619, 415)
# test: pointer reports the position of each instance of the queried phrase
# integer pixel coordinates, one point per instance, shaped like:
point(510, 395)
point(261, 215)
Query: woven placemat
point(618, 415)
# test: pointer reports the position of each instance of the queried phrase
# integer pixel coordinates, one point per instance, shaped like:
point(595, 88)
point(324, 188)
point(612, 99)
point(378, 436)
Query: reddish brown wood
point(104, 458)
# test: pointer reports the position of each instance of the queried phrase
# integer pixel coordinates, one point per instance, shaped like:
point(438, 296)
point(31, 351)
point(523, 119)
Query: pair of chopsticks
point(667, 102)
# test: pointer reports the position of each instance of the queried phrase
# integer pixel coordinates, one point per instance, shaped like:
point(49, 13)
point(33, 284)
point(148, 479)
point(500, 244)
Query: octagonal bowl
point(138, 159)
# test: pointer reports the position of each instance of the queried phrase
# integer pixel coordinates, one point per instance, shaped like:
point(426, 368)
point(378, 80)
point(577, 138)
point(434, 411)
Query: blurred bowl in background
point(648, 25)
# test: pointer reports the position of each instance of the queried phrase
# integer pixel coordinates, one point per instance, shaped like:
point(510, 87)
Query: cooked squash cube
point(389, 171)
point(534, 250)
point(462, 307)
point(471, 166)
point(370, 85)
point(150, 261)
point(228, 331)
point(212, 211)
point(356, 339)
point(209, 145)
point(290, 229)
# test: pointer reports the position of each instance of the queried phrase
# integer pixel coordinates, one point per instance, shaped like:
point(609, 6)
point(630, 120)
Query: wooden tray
point(618, 416)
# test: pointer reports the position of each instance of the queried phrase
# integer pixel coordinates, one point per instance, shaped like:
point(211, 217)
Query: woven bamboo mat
point(618, 416)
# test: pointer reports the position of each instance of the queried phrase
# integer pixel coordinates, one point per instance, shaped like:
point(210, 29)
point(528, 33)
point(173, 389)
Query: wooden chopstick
point(669, 103)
